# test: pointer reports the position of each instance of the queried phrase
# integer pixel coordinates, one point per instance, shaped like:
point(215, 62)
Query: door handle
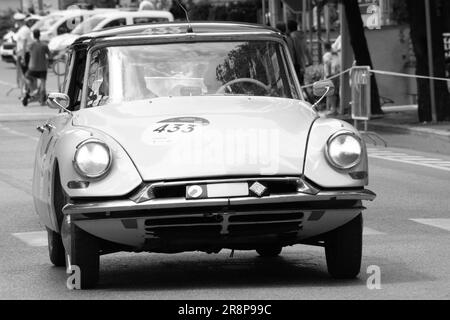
point(49, 127)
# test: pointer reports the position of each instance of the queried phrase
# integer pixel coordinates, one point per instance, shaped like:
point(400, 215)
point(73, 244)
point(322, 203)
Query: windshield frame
point(197, 38)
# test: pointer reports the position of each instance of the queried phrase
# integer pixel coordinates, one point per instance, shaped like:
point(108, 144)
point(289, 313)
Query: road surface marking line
point(411, 162)
point(17, 133)
point(34, 238)
point(8, 84)
point(440, 163)
point(372, 232)
point(437, 223)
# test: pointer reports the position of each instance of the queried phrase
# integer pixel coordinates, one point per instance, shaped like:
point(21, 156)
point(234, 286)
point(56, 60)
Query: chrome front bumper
point(86, 210)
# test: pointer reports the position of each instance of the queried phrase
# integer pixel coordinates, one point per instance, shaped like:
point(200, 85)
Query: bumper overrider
point(292, 209)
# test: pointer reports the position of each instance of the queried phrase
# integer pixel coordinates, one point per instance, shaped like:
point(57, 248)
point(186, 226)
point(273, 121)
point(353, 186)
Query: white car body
point(111, 19)
point(189, 165)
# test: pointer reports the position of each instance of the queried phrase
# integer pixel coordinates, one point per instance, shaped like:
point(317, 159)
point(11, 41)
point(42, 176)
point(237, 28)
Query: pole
point(304, 17)
point(430, 61)
point(346, 61)
point(264, 12)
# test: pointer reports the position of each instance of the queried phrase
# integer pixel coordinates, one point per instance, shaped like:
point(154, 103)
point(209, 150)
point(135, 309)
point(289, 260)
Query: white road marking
point(8, 84)
point(409, 159)
point(34, 239)
point(372, 232)
point(17, 133)
point(437, 223)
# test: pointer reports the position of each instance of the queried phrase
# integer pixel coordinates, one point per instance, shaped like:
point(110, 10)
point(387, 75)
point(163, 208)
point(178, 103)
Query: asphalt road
point(407, 235)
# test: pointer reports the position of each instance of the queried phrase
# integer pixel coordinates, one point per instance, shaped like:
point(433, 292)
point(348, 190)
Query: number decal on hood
point(180, 124)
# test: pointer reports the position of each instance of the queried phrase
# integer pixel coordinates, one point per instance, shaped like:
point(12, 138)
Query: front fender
point(121, 179)
point(317, 168)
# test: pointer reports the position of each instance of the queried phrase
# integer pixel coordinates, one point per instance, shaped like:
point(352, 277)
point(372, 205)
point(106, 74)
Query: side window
point(115, 23)
point(68, 25)
point(142, 20)
point(98, 79)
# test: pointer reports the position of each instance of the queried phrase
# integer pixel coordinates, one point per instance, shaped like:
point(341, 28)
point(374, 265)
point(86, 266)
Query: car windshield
point(255, 68)
point(88, 25)
point(47, 22)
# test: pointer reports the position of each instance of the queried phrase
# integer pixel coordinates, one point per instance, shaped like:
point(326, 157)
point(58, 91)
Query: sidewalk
point(408, 123)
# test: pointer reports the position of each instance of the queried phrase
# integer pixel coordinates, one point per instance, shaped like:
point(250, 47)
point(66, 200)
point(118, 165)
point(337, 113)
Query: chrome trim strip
point(210, 224)
point(126, 205)
point(229, 180)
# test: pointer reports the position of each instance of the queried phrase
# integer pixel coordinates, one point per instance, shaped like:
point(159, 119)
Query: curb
point(25, 116)
point(424, 132)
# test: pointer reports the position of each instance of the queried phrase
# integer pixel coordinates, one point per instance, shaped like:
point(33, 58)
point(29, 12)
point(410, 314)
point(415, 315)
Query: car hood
point(62, 41)
point(214, 136)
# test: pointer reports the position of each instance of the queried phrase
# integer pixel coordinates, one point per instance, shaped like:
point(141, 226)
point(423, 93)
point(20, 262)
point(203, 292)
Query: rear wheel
point(269, 251)
point(343, 250)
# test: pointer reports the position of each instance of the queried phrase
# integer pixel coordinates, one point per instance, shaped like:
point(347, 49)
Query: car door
point(45, 158)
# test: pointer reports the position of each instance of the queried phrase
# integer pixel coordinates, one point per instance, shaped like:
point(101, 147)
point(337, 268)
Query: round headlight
point(344, 150)
point(92, 158)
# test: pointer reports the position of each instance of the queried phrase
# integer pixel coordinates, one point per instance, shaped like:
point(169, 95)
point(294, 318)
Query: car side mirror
point(58, 100)
point(324, 88)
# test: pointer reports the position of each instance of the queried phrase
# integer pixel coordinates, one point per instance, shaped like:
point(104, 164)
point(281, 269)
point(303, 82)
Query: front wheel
point(56, 250)
point(343, 250)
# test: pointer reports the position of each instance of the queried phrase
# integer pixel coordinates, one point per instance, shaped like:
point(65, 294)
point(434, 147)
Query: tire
point(56, 250)
point(84, 253)
point(343, 250)
point(269, 251)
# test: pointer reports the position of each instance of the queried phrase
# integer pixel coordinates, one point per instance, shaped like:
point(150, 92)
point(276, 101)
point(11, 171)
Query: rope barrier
point(330, 78)
point(398, 74)
point(381, 72)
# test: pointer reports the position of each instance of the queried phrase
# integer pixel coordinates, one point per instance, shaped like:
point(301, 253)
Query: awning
point(295, 5)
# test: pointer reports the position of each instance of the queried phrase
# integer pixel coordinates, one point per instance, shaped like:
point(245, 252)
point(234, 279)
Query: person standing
point(146, 5)
point(39, 57)
point(332, 67)
point(302, 55)
point(23, 41)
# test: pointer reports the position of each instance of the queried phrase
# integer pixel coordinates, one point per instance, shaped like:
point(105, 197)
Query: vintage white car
point(175, 137)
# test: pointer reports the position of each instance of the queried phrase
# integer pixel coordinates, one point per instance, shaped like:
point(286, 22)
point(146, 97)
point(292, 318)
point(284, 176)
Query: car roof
point(143, 13)
point(177, 28)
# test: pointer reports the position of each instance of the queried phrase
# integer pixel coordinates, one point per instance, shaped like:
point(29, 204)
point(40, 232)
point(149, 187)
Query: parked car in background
point(8, 47)
point(174, 138)
point(59, 44)
point(32, 19)
point(61, 22)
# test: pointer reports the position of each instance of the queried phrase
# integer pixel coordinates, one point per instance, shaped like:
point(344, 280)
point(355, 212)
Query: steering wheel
point(254, 81)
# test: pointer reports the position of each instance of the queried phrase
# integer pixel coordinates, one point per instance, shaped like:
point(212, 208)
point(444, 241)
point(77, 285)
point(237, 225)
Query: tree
point(360, 47)
point(417, 20)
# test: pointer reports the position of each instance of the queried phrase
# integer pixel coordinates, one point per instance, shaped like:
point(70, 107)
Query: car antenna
point(189, 29)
